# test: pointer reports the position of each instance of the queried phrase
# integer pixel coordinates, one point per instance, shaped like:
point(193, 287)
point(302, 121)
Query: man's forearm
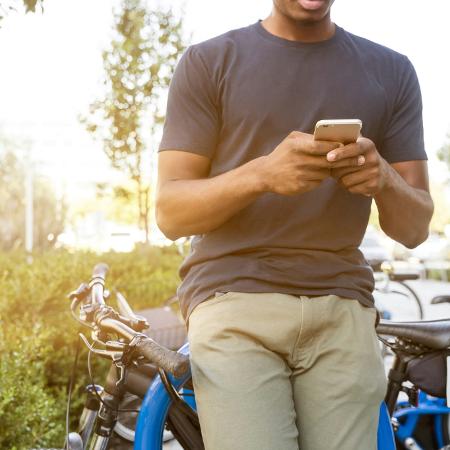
point(188, 207)
point(404, 211)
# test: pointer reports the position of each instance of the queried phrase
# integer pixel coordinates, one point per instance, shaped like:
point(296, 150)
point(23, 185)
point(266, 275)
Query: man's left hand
point(367, 179)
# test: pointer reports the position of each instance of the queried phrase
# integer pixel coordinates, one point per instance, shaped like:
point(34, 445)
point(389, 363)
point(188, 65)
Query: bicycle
point(405, 304)
point(420, 352)
point(141, 367)
point(129, 353)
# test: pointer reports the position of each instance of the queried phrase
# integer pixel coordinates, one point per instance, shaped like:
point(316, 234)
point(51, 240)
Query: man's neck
point(284, 27)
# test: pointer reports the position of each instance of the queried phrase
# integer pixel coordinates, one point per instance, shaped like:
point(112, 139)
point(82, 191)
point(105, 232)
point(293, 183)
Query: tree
point(49, 213)
point(137, 70)
point(11, 5)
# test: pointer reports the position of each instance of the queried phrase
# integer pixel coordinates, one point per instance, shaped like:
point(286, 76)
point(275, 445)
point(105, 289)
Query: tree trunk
point(146, 213)
point(143, 206)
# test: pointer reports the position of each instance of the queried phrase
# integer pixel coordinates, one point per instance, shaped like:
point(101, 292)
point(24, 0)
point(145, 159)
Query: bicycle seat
point(403, 276)
point(434, 334)
point(440, 299)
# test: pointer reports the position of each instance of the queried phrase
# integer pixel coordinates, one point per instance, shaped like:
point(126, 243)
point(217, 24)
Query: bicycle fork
point(99, 415)
point(79, 441)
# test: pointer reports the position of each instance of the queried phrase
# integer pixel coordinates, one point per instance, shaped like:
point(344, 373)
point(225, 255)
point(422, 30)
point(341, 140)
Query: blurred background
point(80, 123)
point(83, 86)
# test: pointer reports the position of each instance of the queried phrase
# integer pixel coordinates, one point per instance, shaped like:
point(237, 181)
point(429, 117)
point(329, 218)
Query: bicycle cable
point(99, 398)
point(393, 347)
point(73, 305)
point(387, 343)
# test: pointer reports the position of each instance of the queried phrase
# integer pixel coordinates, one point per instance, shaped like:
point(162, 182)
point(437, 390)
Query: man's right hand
point(299, 164)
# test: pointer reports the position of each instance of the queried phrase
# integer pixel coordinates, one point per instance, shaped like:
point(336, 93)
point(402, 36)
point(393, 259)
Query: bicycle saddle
point(433, 334)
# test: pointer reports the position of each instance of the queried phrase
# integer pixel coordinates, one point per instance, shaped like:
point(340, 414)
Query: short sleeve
point(403, 138)
point(192, 119)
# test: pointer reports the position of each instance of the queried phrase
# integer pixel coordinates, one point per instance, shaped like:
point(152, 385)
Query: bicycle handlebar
point(97, 283)
point(100, 271)
point(170, 361)
point(173, 362)
point(107, 320)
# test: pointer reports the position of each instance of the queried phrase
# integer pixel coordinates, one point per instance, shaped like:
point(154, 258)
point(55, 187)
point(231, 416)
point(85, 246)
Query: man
point(278, 297)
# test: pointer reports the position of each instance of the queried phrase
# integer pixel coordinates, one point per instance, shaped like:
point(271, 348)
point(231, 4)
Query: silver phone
point(345, 131)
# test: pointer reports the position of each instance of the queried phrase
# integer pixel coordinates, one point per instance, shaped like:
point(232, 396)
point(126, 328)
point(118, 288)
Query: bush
point(29, 412)
point(39, 336)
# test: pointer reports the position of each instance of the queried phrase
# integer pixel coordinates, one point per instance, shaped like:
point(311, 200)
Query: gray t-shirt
point(235, 98)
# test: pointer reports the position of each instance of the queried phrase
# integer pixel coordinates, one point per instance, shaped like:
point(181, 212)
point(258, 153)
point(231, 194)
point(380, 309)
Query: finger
point(356, 161)
point(307, 145)
point(347, 151)
point(324, 147)
point(355, 178)
point(317, 161)
point(340, 172)
point(361, 188)
point(314, 162)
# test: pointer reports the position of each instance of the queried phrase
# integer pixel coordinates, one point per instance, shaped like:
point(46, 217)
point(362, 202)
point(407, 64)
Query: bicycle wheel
point(400, 301)
point(123, 434)
point(124, 431)
point(414, 298)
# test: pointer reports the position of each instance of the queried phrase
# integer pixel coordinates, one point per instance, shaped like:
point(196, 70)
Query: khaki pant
point(281, 372)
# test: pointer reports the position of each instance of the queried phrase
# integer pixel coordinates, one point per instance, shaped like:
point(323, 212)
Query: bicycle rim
point(400, 303)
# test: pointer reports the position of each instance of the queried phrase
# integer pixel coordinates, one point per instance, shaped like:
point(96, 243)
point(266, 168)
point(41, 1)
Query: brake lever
point(81, 292)
point(113, 354)
point(138, 323)
point(98, 313)
point(128, 316)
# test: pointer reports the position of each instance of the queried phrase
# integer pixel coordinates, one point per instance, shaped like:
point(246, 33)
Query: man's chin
point(309, 11)
point(313, 5)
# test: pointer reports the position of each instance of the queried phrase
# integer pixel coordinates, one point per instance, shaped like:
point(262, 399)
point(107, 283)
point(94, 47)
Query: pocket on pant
point(218, 297)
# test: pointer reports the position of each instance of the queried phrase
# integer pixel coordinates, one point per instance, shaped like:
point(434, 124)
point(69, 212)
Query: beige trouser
point(281, 372)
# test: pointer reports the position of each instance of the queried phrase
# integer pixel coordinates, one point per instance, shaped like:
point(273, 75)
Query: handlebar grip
point(170, 361)
point(100, 270)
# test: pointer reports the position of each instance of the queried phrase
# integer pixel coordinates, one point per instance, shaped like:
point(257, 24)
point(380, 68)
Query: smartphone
point(338, 130)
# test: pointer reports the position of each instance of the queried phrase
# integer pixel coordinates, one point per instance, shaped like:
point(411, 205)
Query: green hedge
point(38, 335)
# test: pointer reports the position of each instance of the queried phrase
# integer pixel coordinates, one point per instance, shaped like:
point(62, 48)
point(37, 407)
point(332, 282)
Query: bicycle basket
point(429, 373)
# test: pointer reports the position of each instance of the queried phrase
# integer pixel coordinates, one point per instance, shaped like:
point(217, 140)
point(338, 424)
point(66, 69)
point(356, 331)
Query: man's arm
point(400, 191)
point(188, 203)
point(404, 204)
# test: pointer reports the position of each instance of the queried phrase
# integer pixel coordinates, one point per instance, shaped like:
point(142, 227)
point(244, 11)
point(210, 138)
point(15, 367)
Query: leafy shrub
point(28, 411)
point(38, 335)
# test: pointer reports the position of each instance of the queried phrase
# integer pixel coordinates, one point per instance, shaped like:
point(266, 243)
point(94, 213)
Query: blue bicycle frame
point(155, 407)
point(427, 405)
